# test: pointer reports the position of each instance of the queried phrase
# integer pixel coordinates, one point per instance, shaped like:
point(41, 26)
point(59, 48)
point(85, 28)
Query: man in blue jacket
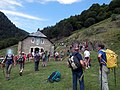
point(103, 71)
point(77, 74)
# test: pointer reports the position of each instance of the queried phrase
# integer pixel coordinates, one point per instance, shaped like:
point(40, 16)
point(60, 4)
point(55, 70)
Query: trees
point(114, 4)
point(89, 22)
point(94, 14)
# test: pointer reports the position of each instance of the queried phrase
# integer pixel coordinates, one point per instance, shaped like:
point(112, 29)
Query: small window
point(42, 41)
point(37, 41)
point(32, 40)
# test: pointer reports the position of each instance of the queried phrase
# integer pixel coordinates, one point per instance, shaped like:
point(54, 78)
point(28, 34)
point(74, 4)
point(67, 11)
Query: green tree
point(114, 4)
point(89, 22)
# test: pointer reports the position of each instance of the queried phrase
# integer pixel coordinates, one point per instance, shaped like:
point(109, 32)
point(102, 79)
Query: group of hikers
point(77, 73)
point(9, 60)
point(107, 59)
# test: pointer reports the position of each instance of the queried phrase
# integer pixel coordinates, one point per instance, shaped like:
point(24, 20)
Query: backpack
point(21, 59)
point(111, 57)
point(37, 57)
point(55, 76)
point(74, 62)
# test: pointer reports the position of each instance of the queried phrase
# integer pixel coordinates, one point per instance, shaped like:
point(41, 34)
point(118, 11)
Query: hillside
point(9, 33)
point(94, 14)
point(106, 31)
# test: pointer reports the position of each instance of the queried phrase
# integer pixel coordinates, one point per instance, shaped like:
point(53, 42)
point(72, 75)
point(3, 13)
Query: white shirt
point(86, 53)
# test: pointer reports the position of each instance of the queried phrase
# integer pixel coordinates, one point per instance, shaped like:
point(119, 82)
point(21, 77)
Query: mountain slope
point(106, 32)
point(94, 14)
point(9, 33)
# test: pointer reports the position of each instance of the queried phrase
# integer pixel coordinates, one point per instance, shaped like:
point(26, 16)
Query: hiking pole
point(101, 75)
point(115, 75)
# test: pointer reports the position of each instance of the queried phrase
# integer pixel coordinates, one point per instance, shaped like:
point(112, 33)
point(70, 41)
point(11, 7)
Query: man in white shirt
point(87, 57)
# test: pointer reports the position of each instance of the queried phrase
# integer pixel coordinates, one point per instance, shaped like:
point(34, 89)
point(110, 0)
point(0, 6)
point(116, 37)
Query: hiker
point(49, 55)
point(8, 61)
point(103, 71)
point(16, 59)
point(21, 61)
point(28, 57)
point(87, 57)
point(56, 56)
point(36, 60)
point(77, 74)
point(45, 58)
point(61, 55)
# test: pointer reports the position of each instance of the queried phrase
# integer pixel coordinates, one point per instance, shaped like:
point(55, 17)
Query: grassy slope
point(111, 37)
point(37, 80)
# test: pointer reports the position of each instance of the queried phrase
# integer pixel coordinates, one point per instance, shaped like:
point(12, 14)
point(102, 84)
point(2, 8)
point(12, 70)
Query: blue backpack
point(55, 76)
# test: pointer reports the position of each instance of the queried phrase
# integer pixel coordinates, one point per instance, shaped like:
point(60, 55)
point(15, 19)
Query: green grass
point(37, 80)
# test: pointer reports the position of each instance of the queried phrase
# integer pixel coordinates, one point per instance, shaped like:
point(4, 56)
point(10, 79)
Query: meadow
point(32, 80)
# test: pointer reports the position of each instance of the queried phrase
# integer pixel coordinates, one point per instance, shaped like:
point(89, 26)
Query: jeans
point(8, 68)
point(36, 65)
point(21, 66)
point(79, 76)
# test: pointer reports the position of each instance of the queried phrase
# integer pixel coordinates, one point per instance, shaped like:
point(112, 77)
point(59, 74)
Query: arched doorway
point(36, 49)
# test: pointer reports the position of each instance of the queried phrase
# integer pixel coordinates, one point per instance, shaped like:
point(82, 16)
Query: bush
point(89, 22)
point(116, 11)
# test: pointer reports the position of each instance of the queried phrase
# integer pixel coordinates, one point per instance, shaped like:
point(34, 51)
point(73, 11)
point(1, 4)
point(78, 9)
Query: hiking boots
point(7, 78)
point(20, 73)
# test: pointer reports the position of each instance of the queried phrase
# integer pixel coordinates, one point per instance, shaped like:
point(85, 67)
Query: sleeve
point(79, 56)
point(100, 52)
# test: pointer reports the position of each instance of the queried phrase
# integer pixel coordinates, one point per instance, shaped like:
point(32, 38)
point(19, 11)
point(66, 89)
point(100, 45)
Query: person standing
point(77, 74)
point(45, 58)
point(36, 60)
point(21, 61)
point(103, 71)
point(87, 57)
point(8, 63)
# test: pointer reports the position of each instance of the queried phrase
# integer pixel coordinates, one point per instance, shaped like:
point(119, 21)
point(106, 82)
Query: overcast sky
point(30, 15)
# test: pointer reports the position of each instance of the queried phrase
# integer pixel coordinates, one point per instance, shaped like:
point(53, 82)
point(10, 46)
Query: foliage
point(9, 33)
point(89, 22)
point(94, 14)
point(116, 10)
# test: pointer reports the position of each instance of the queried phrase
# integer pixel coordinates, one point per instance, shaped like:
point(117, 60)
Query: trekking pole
point(115, 75)
point(101, 75)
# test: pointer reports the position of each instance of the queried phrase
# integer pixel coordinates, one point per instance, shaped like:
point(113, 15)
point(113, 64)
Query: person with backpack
point(21, 61)
point(36, 60)
point(77, 68)
point(104, 70)
point(8, 62)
